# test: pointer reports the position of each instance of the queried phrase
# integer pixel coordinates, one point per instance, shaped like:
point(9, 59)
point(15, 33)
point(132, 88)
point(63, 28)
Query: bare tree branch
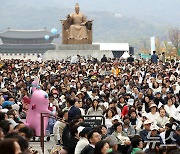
point(174, 36)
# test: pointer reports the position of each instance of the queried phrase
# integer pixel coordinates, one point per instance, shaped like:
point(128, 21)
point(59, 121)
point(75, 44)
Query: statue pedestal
point(68, 50)
point(74, 41)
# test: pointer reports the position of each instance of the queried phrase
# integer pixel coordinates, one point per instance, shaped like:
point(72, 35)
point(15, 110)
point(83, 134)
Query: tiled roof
point(27, 46)
point(26, 34)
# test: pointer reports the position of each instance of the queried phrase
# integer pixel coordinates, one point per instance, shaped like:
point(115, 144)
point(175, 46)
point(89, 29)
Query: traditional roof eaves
point(27, 34)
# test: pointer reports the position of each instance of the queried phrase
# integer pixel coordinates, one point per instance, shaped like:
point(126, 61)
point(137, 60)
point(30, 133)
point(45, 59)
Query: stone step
point(78, 47)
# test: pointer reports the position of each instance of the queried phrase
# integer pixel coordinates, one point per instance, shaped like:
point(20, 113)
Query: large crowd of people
point(138, 99)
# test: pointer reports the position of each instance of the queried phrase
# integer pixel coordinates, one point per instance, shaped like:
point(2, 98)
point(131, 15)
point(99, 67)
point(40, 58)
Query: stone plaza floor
point(48, 145)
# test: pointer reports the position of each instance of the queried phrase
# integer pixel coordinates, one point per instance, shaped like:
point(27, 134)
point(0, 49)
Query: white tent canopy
point(125, 55)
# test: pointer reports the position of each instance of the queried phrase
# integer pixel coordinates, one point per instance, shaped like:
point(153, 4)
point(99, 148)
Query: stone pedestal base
point(64, 51)
point(78, 47)
point(73, 41)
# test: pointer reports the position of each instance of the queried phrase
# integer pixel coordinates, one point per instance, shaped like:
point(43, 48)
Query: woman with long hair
point(95, 109)
point(146, 102)
point(109, 114)
point(156, 87)
point(149, 93)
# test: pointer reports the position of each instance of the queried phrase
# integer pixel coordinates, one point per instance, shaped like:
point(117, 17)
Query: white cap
point(130, 101)
point(52, 88)
point(15, 107)
point(153, 105)
point(154, 127)
point(144, 114)
point(147, 122)
point(80, 128)
point(83, 64)
point(116, 117)
point(83, 89)
point(4, 110)
point(159, 81)
point(78, 93)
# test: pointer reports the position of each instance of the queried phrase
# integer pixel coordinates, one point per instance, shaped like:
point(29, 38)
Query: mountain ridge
point(113, 22)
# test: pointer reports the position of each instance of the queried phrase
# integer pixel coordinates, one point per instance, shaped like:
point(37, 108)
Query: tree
point(168, 48)
point(174, 36)
point(158, 45)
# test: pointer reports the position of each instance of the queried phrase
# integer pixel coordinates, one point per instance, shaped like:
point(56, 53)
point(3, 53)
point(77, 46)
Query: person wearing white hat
point(153, 138)
point(79, 95)
point(153, 114)
point(176, 88)
point(83, 141)
point(154, 128)
point(154, 135)
point(81, 78)
point(73, 83)
point(145, 131)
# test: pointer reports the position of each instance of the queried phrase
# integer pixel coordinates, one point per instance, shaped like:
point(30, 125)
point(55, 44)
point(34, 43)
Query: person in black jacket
point(158, 99)
point(176, 136)
point(93, 137)
point(104, 58)
point(66, 135)
point(130, 59)
point(73, 111)
point(154, 57)
point(74, 138)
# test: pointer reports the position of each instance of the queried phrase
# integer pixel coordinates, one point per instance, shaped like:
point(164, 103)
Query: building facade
point(26, 42)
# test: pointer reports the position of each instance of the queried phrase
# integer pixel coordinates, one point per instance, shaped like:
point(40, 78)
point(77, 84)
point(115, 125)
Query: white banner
point(153, 44)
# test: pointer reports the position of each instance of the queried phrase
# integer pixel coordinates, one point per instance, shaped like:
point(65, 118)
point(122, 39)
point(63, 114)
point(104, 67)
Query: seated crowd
point(139, 102)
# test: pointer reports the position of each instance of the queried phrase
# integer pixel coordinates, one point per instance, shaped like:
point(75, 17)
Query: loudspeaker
point(131, 50)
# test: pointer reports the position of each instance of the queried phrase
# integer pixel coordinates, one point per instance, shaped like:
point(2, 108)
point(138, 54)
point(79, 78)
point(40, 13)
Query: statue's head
point(77, 8)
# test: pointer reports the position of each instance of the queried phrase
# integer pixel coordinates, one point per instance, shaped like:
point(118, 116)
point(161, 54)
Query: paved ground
point(48, 145)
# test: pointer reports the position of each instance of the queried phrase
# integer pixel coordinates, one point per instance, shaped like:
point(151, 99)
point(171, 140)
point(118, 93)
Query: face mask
point(107, 95)
point(99, 84)
point(139, 108)
point(50, 105)
point(126, 122)
point(174, 127)
point(55, 96)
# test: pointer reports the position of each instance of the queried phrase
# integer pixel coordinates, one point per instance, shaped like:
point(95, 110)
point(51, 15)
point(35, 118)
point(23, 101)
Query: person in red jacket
point(125, 108)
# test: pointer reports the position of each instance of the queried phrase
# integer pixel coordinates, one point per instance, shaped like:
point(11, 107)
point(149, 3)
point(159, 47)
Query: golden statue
point(76, 29)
